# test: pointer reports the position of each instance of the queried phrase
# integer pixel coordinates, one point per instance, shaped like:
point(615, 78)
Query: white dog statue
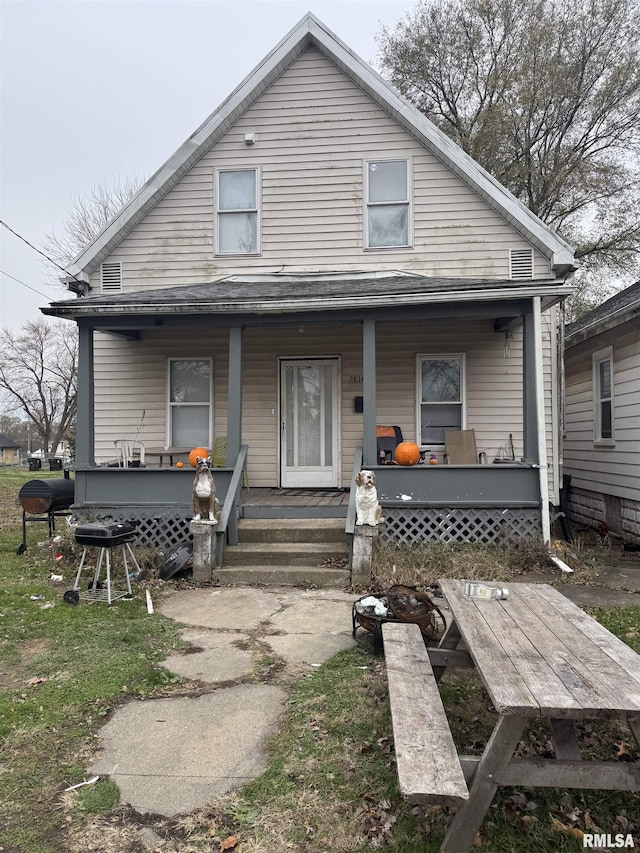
point(368, 510)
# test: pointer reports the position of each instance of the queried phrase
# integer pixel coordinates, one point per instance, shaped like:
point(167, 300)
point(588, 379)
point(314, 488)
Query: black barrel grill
point(43, 501)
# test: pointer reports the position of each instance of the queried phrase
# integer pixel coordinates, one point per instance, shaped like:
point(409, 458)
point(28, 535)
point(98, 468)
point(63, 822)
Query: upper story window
point(388, 216)
point(237, 212)
point(603, 396)
point(190, 402)
point(441, 384)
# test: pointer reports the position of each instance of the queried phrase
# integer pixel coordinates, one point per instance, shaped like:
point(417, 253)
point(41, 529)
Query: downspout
point(541, 431)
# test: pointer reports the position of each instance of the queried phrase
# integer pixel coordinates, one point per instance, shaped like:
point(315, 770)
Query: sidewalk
point(171, 756)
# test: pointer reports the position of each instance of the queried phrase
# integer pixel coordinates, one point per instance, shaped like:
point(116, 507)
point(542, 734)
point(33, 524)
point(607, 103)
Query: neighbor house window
point(237, 212)
point(440, 397)
point(388, 218)
point(603, 396)
point(190, 396)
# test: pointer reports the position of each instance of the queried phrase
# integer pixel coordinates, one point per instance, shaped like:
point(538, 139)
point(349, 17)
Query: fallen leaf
point(229, 843)
point(624, 751)
point(590, 825)
point(558, 826)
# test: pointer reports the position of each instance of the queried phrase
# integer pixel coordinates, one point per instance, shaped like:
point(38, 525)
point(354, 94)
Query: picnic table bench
point(538, 656)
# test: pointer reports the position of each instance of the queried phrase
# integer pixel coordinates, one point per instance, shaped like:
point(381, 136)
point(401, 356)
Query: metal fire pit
point(404, 604)
point(45, 500)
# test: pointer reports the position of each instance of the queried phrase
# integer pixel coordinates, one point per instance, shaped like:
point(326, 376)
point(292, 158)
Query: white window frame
point(170, 404)
point(257, 210)
point(420, 357)
point(408, 201)
point(599, 358)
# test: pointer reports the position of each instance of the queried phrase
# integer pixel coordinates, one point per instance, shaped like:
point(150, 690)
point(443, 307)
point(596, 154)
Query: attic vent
point(520, 263)
point(111, 277)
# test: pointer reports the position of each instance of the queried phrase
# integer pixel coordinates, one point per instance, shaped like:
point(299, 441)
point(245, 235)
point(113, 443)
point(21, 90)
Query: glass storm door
point(309, 423)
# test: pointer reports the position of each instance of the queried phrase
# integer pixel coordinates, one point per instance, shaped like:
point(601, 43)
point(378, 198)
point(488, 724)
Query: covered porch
point(468, 503)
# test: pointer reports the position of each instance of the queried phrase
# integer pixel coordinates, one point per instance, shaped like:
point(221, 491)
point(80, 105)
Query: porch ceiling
point(257, 295)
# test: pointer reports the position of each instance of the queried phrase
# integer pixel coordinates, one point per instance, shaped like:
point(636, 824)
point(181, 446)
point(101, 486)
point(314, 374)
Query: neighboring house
point(9, 451)
point(602, 426)
point(315, 260)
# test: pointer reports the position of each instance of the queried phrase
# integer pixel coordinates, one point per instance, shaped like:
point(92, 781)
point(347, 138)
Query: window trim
point(217, 212)
point(420, 357)
point(599, 358)
point(408, 161)
point(169, 404)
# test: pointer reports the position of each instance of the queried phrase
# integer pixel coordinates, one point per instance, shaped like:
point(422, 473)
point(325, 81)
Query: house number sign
point(355, 380)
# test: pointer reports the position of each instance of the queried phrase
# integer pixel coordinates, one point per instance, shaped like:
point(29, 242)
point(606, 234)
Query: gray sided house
point(318, 260)
point(602, 444)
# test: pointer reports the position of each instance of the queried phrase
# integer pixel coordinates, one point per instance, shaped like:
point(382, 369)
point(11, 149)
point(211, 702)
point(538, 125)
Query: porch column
point(530, 418)
point(85, 416)
point(369, 443)
point(535, 434)
point(234, 399)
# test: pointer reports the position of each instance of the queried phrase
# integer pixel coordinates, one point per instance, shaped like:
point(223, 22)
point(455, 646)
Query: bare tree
point(38, 372)
point(89, 214)
point(545, 94)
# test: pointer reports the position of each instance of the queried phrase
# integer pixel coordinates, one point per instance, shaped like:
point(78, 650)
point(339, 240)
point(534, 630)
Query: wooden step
point(291, 530)
point(284, 553)
point(307, 577)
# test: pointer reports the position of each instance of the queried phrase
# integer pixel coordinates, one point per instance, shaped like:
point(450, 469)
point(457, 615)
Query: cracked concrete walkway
point(171, 756)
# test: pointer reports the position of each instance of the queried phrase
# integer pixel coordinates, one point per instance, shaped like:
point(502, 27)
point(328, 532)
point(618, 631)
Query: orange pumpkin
point(179, 464)
point(202, 452)
point(407, 453)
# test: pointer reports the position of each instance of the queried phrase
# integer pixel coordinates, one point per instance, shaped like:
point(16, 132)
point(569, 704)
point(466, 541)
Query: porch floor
point(291, 503)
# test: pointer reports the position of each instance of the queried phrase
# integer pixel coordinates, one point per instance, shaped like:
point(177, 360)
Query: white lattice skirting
point(476, 526)
point(159, 528)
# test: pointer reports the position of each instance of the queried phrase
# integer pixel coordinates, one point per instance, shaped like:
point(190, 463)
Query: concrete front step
point(291, 530)
point(283, 553)
point(300, 576)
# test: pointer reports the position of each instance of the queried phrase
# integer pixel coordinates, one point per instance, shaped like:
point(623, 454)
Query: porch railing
point(227, 527)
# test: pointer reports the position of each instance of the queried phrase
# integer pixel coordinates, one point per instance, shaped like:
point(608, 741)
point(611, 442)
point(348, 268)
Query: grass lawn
point(331, 784)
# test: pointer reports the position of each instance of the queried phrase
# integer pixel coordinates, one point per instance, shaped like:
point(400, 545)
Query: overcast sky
point(94, 90)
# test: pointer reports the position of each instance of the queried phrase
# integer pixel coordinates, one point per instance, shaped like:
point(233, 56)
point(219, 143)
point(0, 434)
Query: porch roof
point(277, 294)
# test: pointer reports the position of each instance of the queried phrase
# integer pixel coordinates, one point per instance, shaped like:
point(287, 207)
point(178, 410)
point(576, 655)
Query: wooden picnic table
point(538, 656)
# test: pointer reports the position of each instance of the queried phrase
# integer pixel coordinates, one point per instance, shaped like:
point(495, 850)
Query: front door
point(309, 422)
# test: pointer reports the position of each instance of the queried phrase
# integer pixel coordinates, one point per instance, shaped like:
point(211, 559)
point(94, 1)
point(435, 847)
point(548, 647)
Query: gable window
point(441, 384)
point(388, 204)
point(237, 212)
point(603, 396)
point(190, 396)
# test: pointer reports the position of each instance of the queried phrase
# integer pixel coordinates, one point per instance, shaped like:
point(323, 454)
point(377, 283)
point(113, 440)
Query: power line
point(24, 284)
point(35, 249)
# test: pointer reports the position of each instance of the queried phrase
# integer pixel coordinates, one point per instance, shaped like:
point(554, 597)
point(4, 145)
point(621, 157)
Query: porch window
point(237, 212)
point(388, 204)
point(440, 396)
point(603, 396)
point(190, 396)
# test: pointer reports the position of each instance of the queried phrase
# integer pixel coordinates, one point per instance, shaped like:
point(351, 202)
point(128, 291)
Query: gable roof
point(622, 306)
point(310, 32)
point(6, 442)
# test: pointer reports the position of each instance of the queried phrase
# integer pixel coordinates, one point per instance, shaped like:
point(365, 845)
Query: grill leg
point(108, 551)
point(126, 547)
point(76, 583)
